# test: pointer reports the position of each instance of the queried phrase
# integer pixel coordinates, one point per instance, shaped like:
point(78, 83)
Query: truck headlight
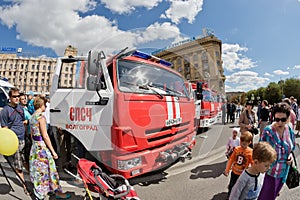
point(128, 164)
point(204, 112)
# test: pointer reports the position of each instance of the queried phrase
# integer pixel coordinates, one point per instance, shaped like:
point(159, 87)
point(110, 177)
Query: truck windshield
point(137, 77)
point(207, 96)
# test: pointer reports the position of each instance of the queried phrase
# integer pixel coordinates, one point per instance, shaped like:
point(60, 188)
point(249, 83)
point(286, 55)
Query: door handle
point(55, 110)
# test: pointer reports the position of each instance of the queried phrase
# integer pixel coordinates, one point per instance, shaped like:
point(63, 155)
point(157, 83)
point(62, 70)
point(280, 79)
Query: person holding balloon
point(12, 117)
point(43, 172)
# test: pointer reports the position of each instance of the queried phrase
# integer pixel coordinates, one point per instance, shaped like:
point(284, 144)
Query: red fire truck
point(206, 104)
point(131, 111)
point(217, 103)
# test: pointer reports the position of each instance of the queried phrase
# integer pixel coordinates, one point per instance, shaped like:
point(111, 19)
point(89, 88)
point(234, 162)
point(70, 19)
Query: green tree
point(273, 93)
point(291, 87)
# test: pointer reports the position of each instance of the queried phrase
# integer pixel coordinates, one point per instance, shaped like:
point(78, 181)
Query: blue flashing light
point(148, 57)
point(141, 55)
point(166, 63)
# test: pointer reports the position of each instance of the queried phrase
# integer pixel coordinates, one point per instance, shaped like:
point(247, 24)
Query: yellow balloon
point(8, 142)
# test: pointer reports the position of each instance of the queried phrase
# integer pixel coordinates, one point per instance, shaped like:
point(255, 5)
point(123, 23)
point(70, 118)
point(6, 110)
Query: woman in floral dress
point(43, 173)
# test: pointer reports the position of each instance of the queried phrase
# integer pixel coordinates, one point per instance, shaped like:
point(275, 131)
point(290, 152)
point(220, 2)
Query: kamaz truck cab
point(131, 111)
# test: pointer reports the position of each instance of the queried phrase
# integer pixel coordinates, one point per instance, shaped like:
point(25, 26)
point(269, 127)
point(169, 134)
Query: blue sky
point(261, 38)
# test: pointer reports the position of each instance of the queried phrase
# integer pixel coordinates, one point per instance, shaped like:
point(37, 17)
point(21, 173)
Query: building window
point(187, 68)
point(188, 76)
point(217, 54)
point(32, 66)
point(218, 63)
point(186, 60)
point(205, 66)
point(179, 69)
point(195, 57)
point(204, 56)
point(38, 67)
point(178, 61)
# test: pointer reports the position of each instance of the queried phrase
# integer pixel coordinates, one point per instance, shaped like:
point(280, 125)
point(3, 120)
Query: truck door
point(3, 98)
point(80, 111)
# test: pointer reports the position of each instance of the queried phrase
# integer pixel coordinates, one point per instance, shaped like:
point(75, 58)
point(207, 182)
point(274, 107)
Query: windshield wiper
point(168, 90)
point(146, 87)
point(150, 87)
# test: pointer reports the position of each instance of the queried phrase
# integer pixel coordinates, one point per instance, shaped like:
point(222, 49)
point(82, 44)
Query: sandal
point(68, 196)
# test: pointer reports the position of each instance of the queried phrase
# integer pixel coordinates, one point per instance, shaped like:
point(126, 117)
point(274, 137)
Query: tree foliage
point(274, 92)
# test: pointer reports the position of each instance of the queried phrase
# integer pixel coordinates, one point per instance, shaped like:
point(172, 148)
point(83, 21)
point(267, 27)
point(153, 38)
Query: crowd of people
point(28, 117)
point(259, 171)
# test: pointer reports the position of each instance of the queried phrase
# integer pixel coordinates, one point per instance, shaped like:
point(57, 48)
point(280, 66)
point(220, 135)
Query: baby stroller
point(108, 186)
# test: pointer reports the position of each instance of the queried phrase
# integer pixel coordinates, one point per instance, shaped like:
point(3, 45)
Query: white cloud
point(159, 31)
point(183, 9)
point(297, 66)
point(280, 72)
point(268, 74)
point(233, 58)
point(127, 6)
point(60, 26)
point(245, 81)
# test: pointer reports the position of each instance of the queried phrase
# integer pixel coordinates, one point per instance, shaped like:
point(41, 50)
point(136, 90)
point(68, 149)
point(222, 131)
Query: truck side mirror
point(199, 94)
point(91, 83)
point(199, 87)
point(94, 64)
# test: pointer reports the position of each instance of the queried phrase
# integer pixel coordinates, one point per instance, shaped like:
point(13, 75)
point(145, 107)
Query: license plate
point(171, 122)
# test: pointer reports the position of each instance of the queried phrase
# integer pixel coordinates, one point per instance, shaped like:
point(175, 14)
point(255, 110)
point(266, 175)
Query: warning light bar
point(152, 58)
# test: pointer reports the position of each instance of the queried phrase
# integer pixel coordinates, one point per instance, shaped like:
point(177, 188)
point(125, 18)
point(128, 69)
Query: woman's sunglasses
point(280, 119)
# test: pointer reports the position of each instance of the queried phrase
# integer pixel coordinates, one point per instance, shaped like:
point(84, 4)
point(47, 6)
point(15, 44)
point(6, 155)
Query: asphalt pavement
point(203, 172)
